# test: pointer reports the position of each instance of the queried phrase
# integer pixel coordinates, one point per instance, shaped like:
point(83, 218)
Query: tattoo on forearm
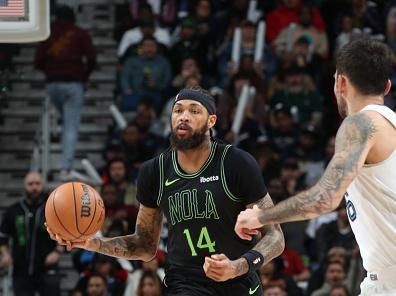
point(351, 142)
point(272, 243)
point(242, 267)
point(138, 245)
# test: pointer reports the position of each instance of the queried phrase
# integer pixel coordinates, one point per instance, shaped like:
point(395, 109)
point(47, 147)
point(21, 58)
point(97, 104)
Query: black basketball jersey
point(202, 208)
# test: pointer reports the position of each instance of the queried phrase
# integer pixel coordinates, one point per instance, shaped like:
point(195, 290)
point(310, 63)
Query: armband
point(254, 259)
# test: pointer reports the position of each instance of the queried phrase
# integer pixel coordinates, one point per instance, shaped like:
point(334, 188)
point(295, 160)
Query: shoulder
point(359, 127)
point(14, 208)
point(239, 156)
point(151, 165)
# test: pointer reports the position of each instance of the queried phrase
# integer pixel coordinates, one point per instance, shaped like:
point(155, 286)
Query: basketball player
point(363, 168)
point(201, 186)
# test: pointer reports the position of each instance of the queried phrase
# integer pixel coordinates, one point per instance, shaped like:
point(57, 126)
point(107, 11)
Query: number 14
point(204, 241)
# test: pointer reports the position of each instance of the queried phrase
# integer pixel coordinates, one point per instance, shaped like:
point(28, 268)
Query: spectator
point(188, 68)
point(97, 285)
point(304, 28)
point(288, 11)
point(116, 209)
point(267, 157)
point(294, 265)
point(135, 279)
point(110, 269)
point(126, 192)
point(283, 131)
point(345, 36)
point(149, 284)
point(339, 290)
point(61, 58)
point(187, 45)
point(336, 234)
point(33, 255)
point(271, 274)
point(299, 96)
point(335, 274)
point(148, 74)
point(274, 290)
point(146, 27)
point(335, 254)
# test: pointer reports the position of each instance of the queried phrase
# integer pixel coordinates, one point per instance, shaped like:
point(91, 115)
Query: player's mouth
point(183, 129)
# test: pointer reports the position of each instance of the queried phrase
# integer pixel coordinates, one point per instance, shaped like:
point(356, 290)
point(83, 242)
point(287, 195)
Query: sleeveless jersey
point(200, 208)
point(371, 206)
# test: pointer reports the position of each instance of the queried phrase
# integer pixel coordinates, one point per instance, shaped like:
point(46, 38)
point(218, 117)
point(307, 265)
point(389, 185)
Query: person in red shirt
point(294, 265)
point(288, 12)
point(67, 58)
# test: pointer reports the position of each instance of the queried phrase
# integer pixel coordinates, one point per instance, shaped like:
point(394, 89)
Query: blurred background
point(92, 103)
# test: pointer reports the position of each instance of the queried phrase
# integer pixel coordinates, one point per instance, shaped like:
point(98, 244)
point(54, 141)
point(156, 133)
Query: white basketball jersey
point(371, 207)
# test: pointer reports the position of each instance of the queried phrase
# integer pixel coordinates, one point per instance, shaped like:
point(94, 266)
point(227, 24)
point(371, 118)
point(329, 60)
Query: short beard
point(192, 142)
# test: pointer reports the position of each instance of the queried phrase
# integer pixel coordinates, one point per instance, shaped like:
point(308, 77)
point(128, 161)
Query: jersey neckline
point(197, 173)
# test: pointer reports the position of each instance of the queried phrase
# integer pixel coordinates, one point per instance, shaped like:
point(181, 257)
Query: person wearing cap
point(200, 185)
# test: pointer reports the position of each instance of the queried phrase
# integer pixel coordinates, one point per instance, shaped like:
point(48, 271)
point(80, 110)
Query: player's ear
point(387, 87)
point(212, 120)
point(342, 82)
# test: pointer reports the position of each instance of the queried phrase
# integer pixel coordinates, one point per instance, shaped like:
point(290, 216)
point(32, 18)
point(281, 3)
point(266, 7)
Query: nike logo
point(251, 292)
point(168, 183)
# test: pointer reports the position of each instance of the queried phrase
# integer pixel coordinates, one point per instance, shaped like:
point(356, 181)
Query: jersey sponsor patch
point(208, 179)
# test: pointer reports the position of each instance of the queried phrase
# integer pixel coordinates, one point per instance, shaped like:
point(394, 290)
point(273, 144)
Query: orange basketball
point(74, 211)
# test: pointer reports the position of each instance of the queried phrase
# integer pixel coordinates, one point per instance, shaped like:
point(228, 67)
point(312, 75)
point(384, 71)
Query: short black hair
point(367, 63)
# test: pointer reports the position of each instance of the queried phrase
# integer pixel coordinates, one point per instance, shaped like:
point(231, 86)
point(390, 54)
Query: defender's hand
point(247, 223)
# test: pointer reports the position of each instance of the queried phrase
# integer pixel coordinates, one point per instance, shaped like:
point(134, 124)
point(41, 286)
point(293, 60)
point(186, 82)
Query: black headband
point(205, 99)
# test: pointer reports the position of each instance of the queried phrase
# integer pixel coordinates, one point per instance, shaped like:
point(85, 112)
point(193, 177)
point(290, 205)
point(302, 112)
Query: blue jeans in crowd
point(68, 98)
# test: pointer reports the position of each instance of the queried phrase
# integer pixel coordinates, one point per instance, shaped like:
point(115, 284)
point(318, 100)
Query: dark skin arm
point(219, 268)
point(141, 245)
point(353, 142)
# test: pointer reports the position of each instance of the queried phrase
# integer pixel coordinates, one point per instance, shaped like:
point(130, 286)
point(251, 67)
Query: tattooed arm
point(141, 245)
point(353, 142)
point(220, 268)
point(272, 242)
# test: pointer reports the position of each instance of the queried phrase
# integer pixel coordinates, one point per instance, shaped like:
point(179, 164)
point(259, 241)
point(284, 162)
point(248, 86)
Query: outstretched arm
point(141, 245)
point(353, 142)
point(272, 241)
point(220, 268)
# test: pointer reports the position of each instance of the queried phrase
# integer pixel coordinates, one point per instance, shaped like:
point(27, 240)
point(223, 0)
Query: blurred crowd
point(288, 124)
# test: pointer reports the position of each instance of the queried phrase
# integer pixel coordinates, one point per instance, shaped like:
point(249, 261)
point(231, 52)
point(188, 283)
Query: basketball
point(75, 211)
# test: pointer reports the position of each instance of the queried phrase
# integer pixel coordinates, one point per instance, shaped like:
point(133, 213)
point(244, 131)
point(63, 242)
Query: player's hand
point(89, 244)
point(219, 268)
point(248, 222)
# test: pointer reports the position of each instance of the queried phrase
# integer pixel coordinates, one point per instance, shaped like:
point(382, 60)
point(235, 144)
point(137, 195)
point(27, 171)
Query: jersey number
point(204, 241)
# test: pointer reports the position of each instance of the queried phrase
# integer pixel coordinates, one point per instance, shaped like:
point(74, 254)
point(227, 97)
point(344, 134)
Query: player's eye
point(177, 111)
point(195, 111)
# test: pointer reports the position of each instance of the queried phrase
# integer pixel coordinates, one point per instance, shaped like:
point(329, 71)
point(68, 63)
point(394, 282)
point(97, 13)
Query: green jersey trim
point(206, 164)
point(223, 178)
point(161, 187)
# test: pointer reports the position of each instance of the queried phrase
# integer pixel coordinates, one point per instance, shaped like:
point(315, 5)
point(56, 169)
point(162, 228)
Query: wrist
point(241, 267)
point(254, 260)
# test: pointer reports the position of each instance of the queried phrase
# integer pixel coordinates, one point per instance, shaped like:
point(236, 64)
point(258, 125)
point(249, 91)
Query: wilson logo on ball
point(86, 204)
